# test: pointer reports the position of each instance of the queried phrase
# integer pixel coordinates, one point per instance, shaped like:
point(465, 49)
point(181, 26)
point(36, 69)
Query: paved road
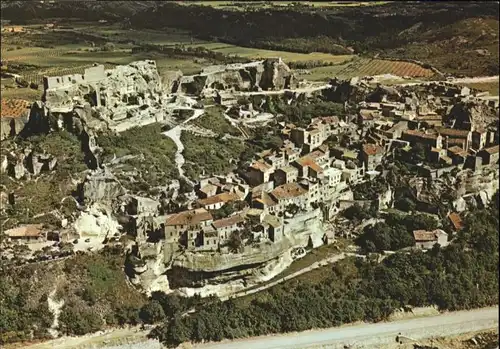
point(373, 335)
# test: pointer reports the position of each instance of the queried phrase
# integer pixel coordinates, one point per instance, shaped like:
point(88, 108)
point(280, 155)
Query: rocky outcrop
point(170, 80)
point(465, 115)
point(119, 98)
point(97, 221)
point(270, 74)
point(101, 186)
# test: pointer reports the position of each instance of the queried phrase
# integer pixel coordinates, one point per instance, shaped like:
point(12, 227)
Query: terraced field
point(367, 67)
point(379, 67)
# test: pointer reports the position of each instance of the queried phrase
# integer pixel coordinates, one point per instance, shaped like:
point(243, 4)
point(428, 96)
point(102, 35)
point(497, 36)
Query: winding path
point(175, 134)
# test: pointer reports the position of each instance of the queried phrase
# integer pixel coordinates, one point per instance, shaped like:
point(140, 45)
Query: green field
point(491, 87)
point(255, 53)
point(360, 66)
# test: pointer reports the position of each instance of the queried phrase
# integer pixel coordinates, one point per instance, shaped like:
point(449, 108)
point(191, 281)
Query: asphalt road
point(373, 335)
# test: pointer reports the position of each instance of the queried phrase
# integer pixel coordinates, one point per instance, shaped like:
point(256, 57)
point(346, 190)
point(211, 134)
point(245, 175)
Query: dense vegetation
point(93, 288)
point(148, 151)
point(214, 120)
point(431, 32)
point(394, 233)
point(463, 275)
point(299, 111)
point(210, 155)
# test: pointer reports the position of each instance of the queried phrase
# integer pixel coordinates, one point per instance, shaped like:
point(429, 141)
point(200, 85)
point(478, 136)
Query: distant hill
point(88, 10)
point(457, 37)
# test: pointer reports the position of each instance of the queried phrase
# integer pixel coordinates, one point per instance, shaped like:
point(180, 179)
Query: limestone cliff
point(270, 74)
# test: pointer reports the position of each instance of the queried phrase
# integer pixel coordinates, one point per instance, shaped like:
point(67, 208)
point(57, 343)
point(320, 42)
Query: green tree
point(152, 312)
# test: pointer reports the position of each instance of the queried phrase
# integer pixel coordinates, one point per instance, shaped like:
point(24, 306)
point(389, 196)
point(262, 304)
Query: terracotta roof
point(191, 217)
point(492, 150)
point(420, 134)
point(453, 132)
point(29, 230)
point(14, 108)
point(456, 221)
point(260, 166)
point(223, 197)
point(309, 162)
point(372, 149)
point(227, 222)
point(289, 190)
point(422, 235)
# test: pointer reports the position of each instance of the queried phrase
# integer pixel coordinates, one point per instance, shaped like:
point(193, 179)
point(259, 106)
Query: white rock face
point(123, 97)
point(55, 308)
point(97, 221)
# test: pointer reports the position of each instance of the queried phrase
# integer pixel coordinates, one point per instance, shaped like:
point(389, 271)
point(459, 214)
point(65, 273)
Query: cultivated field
point(491, 87)
point(364, 67)
point(255, 53)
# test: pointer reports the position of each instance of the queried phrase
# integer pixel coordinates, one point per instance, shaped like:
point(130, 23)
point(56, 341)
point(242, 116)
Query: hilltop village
point(427, 148)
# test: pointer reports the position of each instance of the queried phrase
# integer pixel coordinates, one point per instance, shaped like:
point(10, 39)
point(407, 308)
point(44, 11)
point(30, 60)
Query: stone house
point(316, 133)
point(462, 138)
point(395, 131)
point(427, 239)
point(29, 232)
point(217, 201)
point(489, 155)
point(367, 118)
point(371, 156)
point(308, 167)
point(226, 226)
point(287, 174)
point(274, 227)
point(186, 227)
point(479, 139)
point(333, 176)
point(418, 137)
point(207, 190)
point(259, 172)
point(288, 194)
point(457, 155)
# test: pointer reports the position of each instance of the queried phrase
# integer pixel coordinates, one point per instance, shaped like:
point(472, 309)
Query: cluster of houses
point(400, 121)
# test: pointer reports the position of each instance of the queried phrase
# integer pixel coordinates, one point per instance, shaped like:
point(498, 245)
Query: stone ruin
point(119, 98)
point(269, 74)
point(136, 95)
